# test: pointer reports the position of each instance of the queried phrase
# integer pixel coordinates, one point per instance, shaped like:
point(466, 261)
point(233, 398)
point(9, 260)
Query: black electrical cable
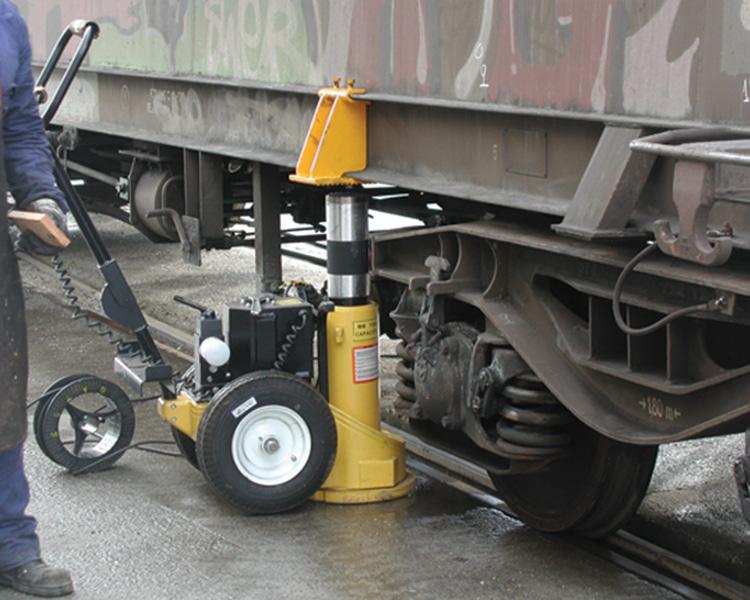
point(136, 446)
point(711, 306)
point(53, 391)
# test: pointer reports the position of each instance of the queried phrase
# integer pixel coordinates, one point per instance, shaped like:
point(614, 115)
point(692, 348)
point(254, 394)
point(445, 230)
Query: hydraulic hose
point(714, 305)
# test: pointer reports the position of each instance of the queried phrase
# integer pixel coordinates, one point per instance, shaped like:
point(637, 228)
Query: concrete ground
point(691, 506)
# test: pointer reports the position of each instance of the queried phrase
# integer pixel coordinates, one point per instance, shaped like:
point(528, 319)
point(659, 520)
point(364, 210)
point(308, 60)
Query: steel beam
point(267, 212)
point(211, 196)
point(609, 189)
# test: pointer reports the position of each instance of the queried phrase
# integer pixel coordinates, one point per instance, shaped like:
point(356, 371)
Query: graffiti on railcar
point(676, 59)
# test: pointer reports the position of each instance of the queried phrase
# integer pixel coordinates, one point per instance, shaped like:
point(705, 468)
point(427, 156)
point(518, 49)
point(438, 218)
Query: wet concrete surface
point(151, 528)
point(692, 504)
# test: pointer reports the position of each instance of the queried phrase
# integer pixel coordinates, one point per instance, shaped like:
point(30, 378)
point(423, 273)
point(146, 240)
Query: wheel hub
point(271, 445)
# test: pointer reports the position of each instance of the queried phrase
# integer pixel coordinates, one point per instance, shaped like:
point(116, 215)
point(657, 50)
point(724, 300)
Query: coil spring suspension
point(80, 314)
point(405, 371)
point(532, 421)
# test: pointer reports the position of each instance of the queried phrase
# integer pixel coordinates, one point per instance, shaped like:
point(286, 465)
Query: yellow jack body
point(183, 413)
point(370, 464)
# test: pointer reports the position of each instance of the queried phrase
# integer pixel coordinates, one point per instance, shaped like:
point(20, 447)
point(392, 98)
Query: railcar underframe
point(503, 300)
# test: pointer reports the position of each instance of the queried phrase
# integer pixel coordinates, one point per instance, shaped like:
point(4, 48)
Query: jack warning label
point(365, 331)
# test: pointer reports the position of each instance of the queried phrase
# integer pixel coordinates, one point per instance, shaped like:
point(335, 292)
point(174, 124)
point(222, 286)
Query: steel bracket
point(336, 142)
point(693, 194)
point(188, 231)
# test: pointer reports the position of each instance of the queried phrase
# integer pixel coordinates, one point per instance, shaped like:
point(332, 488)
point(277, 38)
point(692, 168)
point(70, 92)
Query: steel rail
point(629, 552)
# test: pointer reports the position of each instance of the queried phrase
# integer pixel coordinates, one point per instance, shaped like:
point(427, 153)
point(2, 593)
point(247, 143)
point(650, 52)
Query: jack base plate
point(355, 496)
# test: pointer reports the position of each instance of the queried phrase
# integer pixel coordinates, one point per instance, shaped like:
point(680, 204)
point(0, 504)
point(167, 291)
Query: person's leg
point(19, 544)
point(21, 567)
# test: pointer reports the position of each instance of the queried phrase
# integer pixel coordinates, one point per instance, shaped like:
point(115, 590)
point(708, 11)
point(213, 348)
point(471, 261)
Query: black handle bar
point(88, 31)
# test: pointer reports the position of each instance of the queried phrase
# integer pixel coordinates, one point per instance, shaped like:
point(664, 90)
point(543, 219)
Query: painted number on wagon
point(365, 363)
point(656, 409)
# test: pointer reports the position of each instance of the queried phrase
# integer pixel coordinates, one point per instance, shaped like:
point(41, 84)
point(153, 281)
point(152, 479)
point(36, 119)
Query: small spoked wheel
point(49, 393)
point(267, 442)
point(86, 425)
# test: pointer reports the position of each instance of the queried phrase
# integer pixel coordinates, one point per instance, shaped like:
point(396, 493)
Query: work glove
point(28, 242)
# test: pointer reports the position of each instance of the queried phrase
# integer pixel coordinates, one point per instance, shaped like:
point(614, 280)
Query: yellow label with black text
point(365, 331)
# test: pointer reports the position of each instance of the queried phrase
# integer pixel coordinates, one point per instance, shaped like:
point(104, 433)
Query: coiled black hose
point(290, 338)
point(79, 314)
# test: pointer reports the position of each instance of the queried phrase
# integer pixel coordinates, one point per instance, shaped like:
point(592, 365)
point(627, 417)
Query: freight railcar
point(580, 291)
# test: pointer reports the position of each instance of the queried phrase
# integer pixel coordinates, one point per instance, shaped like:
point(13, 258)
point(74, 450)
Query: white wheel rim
point(271, 445)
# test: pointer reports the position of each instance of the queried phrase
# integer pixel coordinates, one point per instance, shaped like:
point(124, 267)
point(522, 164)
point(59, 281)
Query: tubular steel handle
point(711, 145)
point(88, 31)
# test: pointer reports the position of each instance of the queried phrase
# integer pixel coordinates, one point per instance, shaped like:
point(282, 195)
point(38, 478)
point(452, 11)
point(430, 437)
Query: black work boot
point(38, 579)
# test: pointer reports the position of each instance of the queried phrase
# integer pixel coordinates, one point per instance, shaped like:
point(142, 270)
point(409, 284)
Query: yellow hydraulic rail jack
point(369, 464)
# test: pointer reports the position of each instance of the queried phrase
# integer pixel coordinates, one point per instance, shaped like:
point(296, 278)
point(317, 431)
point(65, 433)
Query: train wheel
point(267, 442)
point(593, 491)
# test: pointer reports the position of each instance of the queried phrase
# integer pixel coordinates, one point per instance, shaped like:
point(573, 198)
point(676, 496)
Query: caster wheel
point(593, 492)
point(267, 442)
point(49, 393)
point(86, 425)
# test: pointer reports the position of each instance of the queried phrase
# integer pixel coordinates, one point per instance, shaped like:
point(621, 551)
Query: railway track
point(626, 550)
point(630, 552)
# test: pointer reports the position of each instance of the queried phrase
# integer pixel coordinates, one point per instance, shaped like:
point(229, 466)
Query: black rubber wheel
point(594, 491)
point(186, 445)
point(86, 425)
point(49, 393)
point(267, 442)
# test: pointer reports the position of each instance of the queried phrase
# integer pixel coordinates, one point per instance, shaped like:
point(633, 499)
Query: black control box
point(267, 332)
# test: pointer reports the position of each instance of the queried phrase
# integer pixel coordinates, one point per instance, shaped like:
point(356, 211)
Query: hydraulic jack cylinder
point(370, 464)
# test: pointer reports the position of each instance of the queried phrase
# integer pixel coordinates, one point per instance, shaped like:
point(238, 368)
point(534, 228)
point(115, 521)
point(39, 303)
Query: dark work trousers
point(18, 541)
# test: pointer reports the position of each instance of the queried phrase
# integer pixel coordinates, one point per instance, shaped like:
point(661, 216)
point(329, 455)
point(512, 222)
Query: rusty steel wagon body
point(542, 143)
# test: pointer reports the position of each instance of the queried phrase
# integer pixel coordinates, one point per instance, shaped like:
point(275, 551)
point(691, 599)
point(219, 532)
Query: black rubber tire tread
point(213, 445)
point(186, 445)
point(614, 485)
point(43, 402)
point(49, 441)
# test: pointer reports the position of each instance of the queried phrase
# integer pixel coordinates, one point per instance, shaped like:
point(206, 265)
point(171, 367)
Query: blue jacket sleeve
point(28, 161)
